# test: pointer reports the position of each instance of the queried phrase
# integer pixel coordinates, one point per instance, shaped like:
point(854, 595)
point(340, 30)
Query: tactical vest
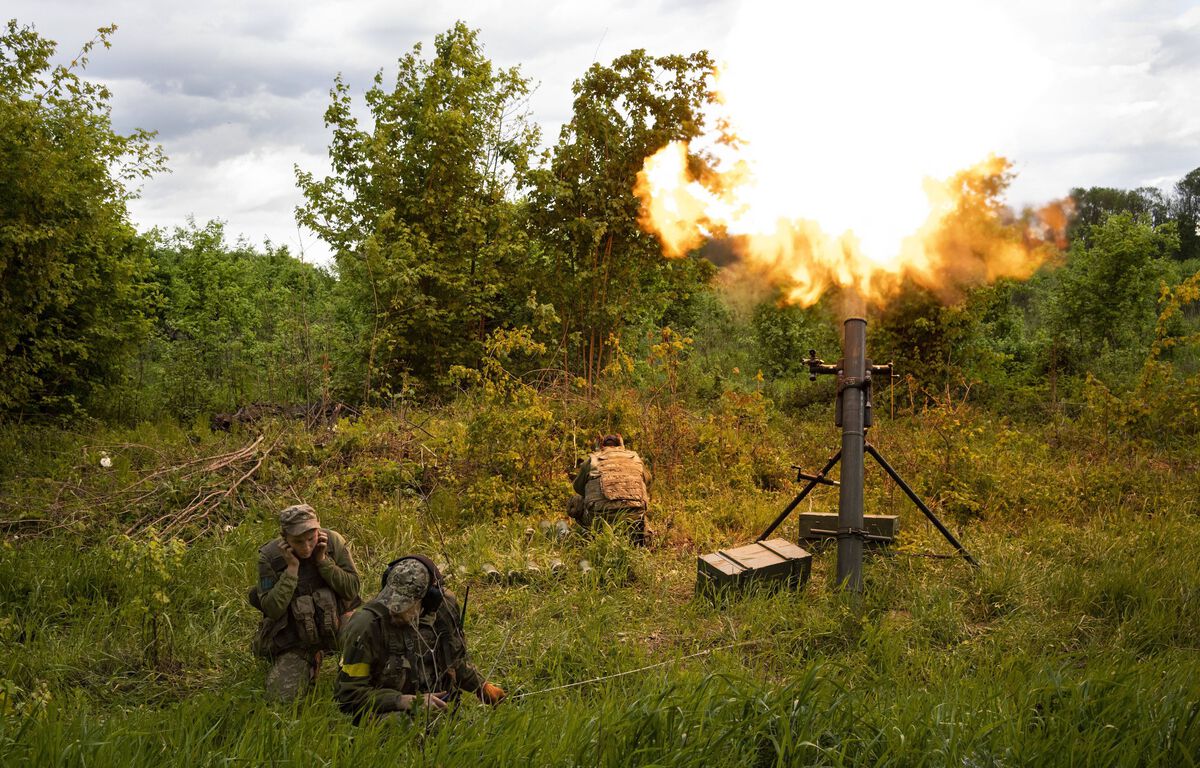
point(419, 660)
point(616, 481)
point(313, 616)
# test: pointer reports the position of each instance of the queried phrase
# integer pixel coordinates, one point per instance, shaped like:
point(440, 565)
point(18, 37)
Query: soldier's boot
point(290, 675)
point(576, 510)
point(639, 532)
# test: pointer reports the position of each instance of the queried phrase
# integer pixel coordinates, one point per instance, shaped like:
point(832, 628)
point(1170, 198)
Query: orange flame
point(965, 239)
point(851, 123)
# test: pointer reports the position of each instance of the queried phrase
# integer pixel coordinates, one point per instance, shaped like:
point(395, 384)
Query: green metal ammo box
point(821, 526)
point(775, 561)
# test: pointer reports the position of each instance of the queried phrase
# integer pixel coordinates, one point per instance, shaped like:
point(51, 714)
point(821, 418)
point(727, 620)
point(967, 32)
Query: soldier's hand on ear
point(318, 553)
point(289, 558)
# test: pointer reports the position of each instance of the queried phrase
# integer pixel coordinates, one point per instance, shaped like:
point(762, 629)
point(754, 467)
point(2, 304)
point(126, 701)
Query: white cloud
point(254, 193)
point(238, 90)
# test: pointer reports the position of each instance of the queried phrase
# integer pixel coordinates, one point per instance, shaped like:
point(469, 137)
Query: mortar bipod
point(820, 479)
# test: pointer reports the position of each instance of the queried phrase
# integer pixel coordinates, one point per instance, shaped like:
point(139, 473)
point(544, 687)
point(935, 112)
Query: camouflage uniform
point(385, 657)
point(302, 613)
point(612, 485)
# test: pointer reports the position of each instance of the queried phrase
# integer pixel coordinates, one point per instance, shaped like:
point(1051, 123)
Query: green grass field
point(1076, 643)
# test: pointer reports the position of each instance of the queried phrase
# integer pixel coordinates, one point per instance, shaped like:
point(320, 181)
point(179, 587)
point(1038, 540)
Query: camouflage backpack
point(616, 480)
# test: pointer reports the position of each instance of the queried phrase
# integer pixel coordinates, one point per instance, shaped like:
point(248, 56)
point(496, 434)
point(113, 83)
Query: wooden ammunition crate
point(818, 526)
point(774, 561)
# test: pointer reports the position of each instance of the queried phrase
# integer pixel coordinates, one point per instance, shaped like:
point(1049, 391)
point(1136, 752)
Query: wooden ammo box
point(775, 561)
point(818, 526)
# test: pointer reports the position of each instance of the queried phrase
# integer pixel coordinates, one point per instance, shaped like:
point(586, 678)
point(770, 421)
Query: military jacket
point(333, 582)
point(383, 660)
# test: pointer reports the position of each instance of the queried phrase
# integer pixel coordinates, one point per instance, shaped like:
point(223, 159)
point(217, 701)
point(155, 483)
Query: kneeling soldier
point(612, 485)
point(405, 648)
point(307, 585)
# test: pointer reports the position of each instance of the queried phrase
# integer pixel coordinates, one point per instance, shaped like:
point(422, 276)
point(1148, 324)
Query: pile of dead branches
point(219, 481)
point(317, 414)
point(176, 499)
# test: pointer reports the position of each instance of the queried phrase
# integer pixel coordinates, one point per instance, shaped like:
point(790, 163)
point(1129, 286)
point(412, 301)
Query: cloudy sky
point(1103, 92)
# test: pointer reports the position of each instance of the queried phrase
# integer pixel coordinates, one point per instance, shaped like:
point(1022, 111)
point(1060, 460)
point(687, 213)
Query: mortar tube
point(850, 493)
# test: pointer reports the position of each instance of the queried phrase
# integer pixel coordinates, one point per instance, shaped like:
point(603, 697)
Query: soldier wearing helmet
point(405, 648)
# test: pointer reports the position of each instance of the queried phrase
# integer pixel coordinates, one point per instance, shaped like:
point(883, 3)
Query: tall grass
point(1077, 643)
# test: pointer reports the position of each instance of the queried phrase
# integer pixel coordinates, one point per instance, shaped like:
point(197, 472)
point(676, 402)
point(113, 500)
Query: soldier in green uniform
point(612, 485)
point(307, 585)
point(405, 648)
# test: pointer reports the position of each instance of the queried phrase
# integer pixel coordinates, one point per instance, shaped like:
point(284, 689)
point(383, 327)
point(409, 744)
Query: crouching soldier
point(405, 648)
point(307, 585)
point(612, 485)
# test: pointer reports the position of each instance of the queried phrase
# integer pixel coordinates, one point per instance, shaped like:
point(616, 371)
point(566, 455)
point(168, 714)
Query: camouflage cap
point(407, 583)
point(297, 519)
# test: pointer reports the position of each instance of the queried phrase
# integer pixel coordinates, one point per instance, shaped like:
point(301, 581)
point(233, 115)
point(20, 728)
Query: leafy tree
point(420, 210)
point(1095, 204)
point(934, 329)
point(234, 325)
point(927, 340)
point(1186, 210)
point(1010, 322)
point(1103, 299)
point(604, 271)
point(784, 333)
point(210, 316)
point(71, 266)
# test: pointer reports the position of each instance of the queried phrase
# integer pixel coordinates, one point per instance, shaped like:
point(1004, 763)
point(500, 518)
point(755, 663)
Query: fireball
point(856, 147)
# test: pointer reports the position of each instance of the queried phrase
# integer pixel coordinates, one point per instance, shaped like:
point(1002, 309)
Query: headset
point(434, 595)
